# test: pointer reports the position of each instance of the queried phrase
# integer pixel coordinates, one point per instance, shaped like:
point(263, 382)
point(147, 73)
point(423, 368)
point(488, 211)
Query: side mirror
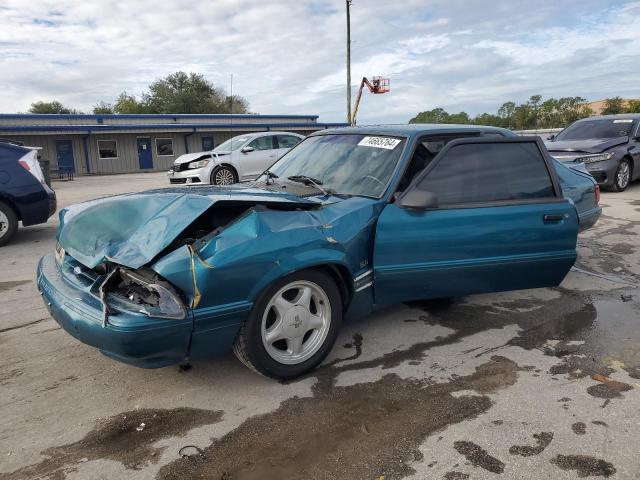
point(551, 137)
point(247, 149)
point(417, 199)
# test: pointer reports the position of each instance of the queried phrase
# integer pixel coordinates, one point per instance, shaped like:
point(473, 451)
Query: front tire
point(292, 327)
point(223, 175)
point(622, 176)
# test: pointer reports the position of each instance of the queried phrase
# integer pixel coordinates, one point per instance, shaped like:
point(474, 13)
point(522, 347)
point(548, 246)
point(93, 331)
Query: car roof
point(619, 116)
point(413, 129)
point(266, 134)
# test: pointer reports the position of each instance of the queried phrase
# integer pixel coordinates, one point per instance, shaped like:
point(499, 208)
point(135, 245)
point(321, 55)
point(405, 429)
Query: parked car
point(24, 195)
point(348, 221)
point(609, 146)
point(240, 158)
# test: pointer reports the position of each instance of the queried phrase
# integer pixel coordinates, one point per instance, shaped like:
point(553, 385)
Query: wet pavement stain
point(455, 476)
point(584, 465)
point(579, 428)
point(121, 438)
point(4, 286)
point(345, 432)
point(607, 388)
point(543, 439)
point(478, 456)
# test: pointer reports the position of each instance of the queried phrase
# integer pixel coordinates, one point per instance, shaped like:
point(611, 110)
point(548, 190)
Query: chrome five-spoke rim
point(4, 224)
point(623, 174)
point(296, 322)
point(224, 176)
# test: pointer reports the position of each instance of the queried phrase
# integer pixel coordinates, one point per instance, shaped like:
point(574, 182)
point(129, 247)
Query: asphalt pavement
point(531, 384)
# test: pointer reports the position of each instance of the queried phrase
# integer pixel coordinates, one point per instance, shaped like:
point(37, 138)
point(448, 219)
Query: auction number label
point(379, 142)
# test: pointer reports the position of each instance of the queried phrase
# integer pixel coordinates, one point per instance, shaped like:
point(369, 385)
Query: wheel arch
point(628, 157)
point(228, 165)
point(12, 205)
point(338, 272)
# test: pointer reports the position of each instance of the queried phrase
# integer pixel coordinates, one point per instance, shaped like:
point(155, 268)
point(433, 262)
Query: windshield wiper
point(309, 181)
point(270, 176)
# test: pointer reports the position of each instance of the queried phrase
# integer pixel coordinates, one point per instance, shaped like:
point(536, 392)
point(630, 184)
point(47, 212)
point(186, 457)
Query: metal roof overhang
point(165, 127)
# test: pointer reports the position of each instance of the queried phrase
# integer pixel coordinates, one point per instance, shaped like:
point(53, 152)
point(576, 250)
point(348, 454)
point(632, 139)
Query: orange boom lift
point(376, 86)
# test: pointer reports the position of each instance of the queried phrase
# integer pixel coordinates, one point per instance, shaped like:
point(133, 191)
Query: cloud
point(289, 56)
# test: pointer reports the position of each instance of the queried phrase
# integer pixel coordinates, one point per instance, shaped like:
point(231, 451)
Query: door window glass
point(489, 172)
point(287, 141)
point(262, 143)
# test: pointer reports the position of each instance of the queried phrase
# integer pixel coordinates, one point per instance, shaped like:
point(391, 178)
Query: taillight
point(24, 165)
point(597, 194)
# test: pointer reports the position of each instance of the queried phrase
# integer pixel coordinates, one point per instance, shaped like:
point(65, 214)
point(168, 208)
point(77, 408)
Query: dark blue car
point(348, 221)
point(24, 196)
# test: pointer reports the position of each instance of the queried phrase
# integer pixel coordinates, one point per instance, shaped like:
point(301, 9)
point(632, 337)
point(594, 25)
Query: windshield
point(346, 164)
point(596, 129)
point(232, 144)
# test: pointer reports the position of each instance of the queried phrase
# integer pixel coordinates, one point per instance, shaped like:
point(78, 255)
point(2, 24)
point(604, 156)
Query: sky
point(288, 56)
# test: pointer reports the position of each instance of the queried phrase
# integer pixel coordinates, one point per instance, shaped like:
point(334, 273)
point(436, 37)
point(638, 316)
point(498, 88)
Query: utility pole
point(348, 2)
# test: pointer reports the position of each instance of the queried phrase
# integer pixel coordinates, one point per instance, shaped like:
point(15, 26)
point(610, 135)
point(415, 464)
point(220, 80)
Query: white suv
point(240, 158)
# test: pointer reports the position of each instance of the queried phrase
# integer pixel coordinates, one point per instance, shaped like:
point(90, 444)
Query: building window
point(164, 147)
point(107, 149)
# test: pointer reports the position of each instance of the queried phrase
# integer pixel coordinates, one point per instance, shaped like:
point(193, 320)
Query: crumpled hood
point(132, 229)
point(596, 145)
point(190, 157)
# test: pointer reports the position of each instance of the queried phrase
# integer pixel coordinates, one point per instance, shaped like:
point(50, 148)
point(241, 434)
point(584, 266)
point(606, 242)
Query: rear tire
point(223, 175)
point(622, 177)
point(292, 326)
point(8, 223)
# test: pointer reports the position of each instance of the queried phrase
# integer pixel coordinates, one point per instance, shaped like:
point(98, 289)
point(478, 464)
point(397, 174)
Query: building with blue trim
point(89, 144)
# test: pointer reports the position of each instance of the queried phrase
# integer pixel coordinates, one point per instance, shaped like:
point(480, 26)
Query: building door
point(207, 144)
point(64, 154)
point(145, 158)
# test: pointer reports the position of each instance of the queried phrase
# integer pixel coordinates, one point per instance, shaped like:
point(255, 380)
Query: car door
point(259, 155)
point(500, 223)
point(634, 150)
point(286, 143)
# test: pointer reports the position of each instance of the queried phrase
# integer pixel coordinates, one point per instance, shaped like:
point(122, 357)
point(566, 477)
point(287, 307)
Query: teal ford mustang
point(349, 220)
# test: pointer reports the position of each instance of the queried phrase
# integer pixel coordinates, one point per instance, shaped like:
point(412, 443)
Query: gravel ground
point(532, 384)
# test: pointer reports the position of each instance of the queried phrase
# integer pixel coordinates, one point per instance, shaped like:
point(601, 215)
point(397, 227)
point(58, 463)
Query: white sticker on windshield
point(379, 142)
point(623, 121)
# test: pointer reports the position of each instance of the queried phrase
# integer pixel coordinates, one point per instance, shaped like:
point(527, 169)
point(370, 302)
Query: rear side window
point(287, 141)
point(489, 172)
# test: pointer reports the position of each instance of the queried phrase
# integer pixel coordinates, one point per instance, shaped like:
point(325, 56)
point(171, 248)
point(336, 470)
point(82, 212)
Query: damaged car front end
point(107, 282)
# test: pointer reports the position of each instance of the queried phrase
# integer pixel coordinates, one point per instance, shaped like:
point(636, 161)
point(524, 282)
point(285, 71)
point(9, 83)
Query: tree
point(126, 103)
point(633, 106)
point(102, 108)
point(506, 113)
point(50, 107)
point(613, 105)
point(189, 93)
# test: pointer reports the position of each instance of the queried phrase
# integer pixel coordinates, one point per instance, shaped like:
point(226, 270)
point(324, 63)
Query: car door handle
point(552, 217)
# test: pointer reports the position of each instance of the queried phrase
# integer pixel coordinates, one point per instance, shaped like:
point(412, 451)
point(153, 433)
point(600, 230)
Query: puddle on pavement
point(605, 339)
point(127, 438)
point(364, 430)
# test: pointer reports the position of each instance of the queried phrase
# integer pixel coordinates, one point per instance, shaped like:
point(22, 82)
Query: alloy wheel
point(224, 176)
point(622, 175)
point(4, 224)
point(296, 322)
